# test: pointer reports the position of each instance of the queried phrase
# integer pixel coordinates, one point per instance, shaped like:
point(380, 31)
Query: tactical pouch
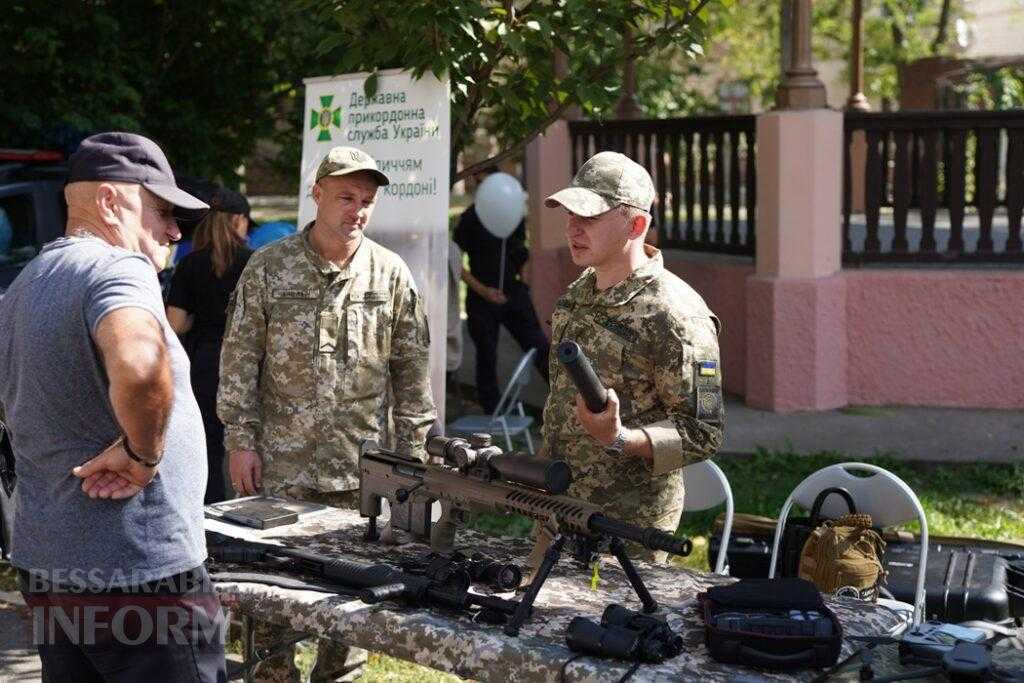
point(778, 624)
point(844, 555)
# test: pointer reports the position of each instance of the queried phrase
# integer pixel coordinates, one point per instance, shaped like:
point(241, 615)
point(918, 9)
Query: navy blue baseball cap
point(129, 158)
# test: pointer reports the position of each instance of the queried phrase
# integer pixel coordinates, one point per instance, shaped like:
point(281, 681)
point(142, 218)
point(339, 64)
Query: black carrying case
point(768, 650)
point(962, 583)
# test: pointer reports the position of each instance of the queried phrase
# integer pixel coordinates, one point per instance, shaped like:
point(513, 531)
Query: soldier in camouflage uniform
point(323, 326)
point(653, 343)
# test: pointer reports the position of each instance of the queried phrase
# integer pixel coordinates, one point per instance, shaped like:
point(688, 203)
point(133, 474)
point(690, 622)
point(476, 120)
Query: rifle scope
point(550, 476)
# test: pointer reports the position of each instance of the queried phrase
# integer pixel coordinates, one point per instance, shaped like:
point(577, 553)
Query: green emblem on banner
point(325, 118)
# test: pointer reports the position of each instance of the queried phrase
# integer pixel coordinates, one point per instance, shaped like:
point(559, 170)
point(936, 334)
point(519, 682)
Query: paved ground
point(18, 662)
point(938, 434)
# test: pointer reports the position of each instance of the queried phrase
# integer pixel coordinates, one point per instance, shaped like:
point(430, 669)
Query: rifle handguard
point(650, 538)
point(375, 594)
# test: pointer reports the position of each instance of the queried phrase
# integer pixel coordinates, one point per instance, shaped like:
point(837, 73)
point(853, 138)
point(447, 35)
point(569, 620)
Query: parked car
point(32, 207)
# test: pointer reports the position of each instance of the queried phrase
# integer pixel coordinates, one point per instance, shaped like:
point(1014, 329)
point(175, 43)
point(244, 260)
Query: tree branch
point(557, 109)
point(943, 24)
point(474, 96)
point(639, 46)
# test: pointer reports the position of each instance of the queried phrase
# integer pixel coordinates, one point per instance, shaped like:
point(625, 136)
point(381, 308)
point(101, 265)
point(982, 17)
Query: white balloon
point(500, 204)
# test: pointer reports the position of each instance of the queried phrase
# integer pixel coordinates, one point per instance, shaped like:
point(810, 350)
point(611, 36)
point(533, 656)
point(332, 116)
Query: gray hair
point(631, 212)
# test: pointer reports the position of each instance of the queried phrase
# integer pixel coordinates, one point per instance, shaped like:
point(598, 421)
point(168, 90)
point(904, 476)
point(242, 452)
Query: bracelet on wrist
point(135, 456)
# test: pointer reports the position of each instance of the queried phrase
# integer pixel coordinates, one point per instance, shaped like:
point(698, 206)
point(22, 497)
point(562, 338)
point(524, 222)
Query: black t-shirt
point(195, 289)
point(484, 250)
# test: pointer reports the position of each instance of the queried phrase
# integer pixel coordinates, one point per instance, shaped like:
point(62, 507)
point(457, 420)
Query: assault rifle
point(475, 477)
point(371, 583)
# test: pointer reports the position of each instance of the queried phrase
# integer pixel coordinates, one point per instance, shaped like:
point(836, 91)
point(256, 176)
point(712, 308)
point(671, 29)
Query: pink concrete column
point(796, 301)
point(548, 169)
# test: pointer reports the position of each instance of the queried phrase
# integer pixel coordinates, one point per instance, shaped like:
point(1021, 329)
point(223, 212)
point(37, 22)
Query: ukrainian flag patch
point(708, 368)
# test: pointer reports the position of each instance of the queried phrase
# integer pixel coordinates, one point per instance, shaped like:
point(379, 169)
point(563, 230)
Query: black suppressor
point(576, 363)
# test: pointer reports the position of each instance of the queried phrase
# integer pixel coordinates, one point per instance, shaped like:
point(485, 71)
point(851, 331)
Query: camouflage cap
point(345, 160)
point(605, 181)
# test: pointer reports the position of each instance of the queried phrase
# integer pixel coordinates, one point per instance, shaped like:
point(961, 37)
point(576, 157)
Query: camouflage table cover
point(452, 642)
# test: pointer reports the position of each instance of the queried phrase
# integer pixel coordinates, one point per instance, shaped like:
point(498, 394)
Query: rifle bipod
point(551, 557)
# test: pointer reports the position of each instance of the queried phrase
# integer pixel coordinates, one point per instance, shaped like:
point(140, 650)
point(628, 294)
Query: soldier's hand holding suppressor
point(605, 425)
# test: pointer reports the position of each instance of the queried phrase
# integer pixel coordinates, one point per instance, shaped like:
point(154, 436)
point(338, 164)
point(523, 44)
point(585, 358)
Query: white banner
point(405, 127)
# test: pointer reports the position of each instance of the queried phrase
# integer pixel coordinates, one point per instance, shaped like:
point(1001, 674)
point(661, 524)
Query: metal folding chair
point(882, 494)
point(508, 418)
point(707, 487)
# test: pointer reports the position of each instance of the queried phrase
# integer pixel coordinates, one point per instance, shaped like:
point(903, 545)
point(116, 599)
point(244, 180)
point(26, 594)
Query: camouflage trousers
point(334, 661)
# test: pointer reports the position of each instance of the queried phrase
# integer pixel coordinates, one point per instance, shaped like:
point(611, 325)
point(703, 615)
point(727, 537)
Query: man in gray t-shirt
point(108, 439)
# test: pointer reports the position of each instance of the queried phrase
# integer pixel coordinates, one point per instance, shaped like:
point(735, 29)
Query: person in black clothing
point(494, 300)
point(197, 305)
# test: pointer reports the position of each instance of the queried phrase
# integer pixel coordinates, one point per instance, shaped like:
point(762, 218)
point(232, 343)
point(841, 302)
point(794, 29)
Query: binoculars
point(624, 634)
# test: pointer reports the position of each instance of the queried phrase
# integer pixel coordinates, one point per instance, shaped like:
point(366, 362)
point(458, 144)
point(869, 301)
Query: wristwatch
point(618, 446)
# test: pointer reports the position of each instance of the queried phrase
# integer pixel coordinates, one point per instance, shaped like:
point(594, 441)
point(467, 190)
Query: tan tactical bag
point(844, 554)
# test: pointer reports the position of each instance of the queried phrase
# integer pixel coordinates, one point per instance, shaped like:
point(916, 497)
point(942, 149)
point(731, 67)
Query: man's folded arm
point(134, 354)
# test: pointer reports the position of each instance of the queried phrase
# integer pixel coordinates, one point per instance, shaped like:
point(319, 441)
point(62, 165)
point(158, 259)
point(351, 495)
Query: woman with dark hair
point(197, 305)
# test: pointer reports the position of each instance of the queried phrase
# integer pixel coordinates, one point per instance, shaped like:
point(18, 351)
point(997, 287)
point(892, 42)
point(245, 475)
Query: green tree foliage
point(204, 78)
point(896, 32)
point(499, 55)
point(743, 45)
point(998, 88)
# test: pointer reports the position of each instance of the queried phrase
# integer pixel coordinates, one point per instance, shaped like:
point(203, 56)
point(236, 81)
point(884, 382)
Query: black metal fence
point(704, 174)
point(935, 187)
point(953, 182)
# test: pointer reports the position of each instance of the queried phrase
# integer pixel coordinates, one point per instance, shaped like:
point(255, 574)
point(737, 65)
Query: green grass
point(8, 577)
point(984, 500)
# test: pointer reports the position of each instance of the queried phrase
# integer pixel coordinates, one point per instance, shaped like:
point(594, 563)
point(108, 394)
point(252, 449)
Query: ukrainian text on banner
point(405, 126)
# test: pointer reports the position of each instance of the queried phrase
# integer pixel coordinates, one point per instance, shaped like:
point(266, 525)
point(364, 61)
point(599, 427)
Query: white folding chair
point(508, 418)
point(706, 487)
point(882, 494)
